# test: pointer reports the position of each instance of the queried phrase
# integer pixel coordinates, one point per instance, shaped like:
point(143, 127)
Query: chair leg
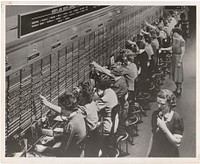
point(136, 130)
point(119, 147)
point(131, 139)
point(122, 152)
point(140, 117)
point(127, 147)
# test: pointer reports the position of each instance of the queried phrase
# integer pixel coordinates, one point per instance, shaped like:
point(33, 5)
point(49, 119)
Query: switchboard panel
point(54, 64)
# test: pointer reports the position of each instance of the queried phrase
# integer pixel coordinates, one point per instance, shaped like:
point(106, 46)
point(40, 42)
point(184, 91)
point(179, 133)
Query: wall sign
point(8, 68)
point(33, 56)
point(173, 7)
point(53, 47)
point(35, 21)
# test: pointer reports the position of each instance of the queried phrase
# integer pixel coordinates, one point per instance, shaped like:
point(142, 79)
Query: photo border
point(95, 160)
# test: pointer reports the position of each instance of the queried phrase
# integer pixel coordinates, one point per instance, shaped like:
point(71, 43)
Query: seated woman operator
point(119, 86)
point(130, 71)
point(106, 102)
point(88, 107)
point(74, 128)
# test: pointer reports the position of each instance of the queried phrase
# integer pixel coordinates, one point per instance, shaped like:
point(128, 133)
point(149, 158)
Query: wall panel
point(64, 57)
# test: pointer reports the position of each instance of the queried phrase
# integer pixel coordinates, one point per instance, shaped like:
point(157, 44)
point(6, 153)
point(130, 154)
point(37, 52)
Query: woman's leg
point(105, 146)
point(178, 88)
point(131, 97)
point(92, 144)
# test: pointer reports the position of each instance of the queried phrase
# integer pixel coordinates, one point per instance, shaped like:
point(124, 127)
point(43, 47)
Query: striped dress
point(176, 73)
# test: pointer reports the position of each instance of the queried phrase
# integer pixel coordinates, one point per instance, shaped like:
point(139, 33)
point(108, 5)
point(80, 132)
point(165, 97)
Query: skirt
point(176, 73)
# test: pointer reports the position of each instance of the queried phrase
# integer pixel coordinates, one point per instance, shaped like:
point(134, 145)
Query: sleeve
point(58, 138)
point(146, 56)
point(151, 49)
point(154, 121)
point(178, 126)
point(182, 44)
point(125, 71)
point(69, 134)
point(101, 104)
point(157, 44)
point(67, 130)
point(115, 86)
point(102, 69)
point(83, 110)
point(178, 24)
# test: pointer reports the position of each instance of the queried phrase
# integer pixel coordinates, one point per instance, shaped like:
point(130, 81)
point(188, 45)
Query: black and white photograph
point(104, 81)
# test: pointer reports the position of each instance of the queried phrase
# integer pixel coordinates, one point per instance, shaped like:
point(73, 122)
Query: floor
point(186, 108)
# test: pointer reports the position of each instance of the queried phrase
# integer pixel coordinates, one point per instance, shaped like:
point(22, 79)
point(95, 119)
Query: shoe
point(175, 93)
point(180, 91)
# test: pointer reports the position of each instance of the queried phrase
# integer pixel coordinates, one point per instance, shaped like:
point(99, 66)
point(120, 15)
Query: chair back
point(113, 152)
point(114, 118)
point(81, 146)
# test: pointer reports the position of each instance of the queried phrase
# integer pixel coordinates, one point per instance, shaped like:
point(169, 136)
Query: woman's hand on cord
point(40, 148)
point(46, 139)
point(161, 124)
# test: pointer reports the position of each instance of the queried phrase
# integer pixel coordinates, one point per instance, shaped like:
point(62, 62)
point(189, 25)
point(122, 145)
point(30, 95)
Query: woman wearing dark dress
point(167, 127)
point(142, 59)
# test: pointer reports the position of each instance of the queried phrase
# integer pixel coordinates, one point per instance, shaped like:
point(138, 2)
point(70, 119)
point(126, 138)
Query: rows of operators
point(88, 112)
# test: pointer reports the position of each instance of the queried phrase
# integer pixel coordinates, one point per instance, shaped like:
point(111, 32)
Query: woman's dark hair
point(134, 49)
point(85, 95)
point(166, 14)
point(171, 12)
point(182, 16)
point(119, 58)
point(169, 96)
point(128, 45)
point(160, 27)
point(133, 38)
point(116, 70)
point(161, 18)
point(131, 47)
point(130, 55)
point(104, 83)
point(148, 39)
point(153, 34)
point(67, 102)
point(141, 44)
point(165, 23)
point(140, 37)
point(148, 28)
point(177, 30)
point(127, 54)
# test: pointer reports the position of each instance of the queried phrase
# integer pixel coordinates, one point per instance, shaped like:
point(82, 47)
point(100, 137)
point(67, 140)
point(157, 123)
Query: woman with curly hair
point(74, 130)
point(106, 103)
point(88, 107)
point(167, 127)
